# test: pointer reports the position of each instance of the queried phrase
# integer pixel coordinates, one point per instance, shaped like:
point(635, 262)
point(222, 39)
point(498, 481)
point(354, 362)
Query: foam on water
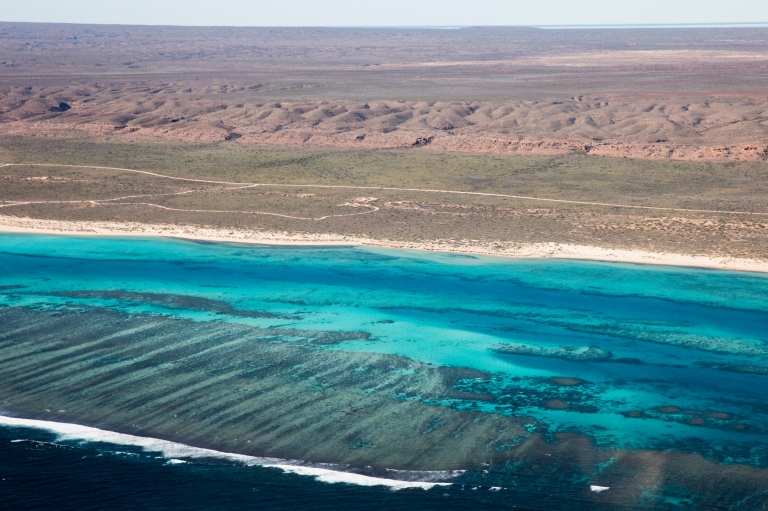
point(173, 451)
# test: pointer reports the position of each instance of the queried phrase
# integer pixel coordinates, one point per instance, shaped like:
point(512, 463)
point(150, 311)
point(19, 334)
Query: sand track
point(350, 187)
point(371, 208)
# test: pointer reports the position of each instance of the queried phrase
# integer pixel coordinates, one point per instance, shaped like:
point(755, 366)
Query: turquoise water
point(633, 356)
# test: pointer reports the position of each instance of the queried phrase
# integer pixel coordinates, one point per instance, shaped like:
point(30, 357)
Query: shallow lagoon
point(633, 357)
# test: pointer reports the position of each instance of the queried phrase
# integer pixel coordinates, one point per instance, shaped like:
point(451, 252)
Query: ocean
point(371, 378)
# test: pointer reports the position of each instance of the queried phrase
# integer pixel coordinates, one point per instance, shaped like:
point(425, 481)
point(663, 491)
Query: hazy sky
point(384, 12)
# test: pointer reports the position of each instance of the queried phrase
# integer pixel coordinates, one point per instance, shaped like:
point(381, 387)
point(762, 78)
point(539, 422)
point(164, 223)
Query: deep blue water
point(39, 472)
point(667, 358)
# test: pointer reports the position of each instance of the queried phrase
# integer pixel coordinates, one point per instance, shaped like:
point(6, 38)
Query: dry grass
point(400, 215)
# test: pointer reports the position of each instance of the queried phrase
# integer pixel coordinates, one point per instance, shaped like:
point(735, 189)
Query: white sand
point(506, 249)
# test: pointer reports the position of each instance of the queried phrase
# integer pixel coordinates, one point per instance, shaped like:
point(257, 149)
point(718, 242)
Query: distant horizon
point(396, 13)
point(759, 24)
point(745, 24)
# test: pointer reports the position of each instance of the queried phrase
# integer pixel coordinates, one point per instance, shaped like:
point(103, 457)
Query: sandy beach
point(12, 224)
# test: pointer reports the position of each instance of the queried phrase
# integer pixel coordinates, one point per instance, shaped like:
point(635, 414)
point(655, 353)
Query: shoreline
point(20, 225)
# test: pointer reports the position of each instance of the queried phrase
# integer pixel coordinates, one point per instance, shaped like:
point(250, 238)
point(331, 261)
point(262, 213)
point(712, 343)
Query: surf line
point(173, 451)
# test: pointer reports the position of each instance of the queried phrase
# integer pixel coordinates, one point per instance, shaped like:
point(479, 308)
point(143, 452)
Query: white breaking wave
point(173, 451)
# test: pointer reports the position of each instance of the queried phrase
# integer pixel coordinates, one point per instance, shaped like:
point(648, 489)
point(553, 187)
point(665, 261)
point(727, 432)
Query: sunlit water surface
point(648, 357)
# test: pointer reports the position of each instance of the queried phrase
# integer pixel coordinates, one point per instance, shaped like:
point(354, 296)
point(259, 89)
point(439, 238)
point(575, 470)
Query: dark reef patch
point(171, 301)
point(734, 368)
point(556, 404)
point(567, 382)
point(583, 354)
point(451, 375)
point(8, 288)
point(631, 361)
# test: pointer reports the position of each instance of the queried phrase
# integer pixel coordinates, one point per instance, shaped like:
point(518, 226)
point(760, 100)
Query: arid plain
point(585, 142)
